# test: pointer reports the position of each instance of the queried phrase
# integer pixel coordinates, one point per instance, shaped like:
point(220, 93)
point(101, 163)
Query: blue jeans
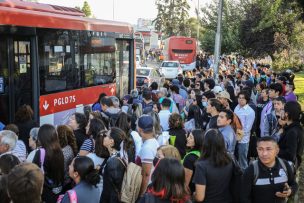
point(242, 155)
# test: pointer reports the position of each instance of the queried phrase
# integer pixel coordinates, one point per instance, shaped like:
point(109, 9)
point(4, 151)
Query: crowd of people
point(237, 139)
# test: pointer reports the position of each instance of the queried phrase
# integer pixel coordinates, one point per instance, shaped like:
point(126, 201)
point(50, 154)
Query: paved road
point(153, 64)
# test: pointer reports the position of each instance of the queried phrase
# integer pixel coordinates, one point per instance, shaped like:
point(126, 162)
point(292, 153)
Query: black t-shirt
point(180, 140)
point(216, 179)
point(261, 104)
point(213, 122)
point(189, 163)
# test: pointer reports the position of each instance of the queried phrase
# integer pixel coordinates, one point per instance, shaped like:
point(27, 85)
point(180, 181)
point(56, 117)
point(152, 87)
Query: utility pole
point(113, 9)
point(198, 21)
point(218, 38)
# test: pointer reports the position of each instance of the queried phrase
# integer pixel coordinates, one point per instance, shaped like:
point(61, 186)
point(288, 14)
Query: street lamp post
point(218, 38)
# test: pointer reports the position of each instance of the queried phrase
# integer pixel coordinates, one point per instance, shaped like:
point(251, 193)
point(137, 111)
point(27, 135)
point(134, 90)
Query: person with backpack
point(50, 159)
point(168, 183)
point(110, 112)
point(268, 179)
point(194, 142)
point(213, 171)
point(114, 169)
point(177, 133)
point(83, 173)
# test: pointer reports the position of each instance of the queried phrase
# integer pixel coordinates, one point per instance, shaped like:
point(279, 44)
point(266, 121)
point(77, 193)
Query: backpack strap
point(42, 157)
point(283, 165)
point(72, 196)
point(256, 171)
point(195, 152)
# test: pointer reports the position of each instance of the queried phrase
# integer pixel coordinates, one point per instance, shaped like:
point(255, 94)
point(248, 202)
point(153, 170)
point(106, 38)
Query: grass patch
point(299, 84)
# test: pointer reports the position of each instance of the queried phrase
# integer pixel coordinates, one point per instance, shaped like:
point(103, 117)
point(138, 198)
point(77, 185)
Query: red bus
point(182, 49)
point(58, 61)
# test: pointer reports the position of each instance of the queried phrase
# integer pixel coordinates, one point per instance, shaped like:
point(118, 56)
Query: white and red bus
point(58, 61)
point(182, 49)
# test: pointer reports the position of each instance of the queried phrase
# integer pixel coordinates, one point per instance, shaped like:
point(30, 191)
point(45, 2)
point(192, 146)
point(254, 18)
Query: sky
point(124, 10)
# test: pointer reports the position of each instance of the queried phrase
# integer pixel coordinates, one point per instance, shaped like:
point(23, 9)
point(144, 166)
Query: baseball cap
point(224, 94)
point(145, 122)
point(175, 82)
point(217, 89)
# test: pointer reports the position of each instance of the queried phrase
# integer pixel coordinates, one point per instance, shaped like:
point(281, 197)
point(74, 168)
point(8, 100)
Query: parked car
point(146, 75)
point(170, 69)
point(138, 61)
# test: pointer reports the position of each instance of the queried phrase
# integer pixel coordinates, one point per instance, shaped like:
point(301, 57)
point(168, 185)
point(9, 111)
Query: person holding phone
point(268, 179)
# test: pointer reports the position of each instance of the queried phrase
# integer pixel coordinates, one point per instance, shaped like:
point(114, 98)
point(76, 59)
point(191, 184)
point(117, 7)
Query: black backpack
point(113, 119)
point(236, 181)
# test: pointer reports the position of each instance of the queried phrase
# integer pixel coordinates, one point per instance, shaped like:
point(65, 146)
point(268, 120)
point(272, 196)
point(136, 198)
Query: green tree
point(232, 15)
point(193, 23)
point(172, 17)
point(86, 9)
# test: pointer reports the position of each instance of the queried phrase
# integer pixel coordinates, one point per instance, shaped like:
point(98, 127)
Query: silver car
point(146, 75)
point(171, 69)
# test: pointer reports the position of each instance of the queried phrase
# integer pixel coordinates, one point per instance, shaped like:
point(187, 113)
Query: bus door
point(16, 76)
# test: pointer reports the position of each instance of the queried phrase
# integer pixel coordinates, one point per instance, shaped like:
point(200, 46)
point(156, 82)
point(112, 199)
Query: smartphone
point(284, 188)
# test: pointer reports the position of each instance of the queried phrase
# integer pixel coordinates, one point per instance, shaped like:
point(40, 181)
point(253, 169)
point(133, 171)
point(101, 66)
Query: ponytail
point(84, 166)
point(92, 178)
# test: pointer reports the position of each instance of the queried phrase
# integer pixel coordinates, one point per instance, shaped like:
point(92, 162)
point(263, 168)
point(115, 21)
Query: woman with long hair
point(194, 143)
point(177, 133)
point(51, 161)
point(132, 141)
point(292, 141)
point(86, 177)
point(67, 149)
point(114, 169)
point(137, 111)
point(213, 171)
point(194, 119)
point(93, 128)
point(78, 122)
point(168, 183)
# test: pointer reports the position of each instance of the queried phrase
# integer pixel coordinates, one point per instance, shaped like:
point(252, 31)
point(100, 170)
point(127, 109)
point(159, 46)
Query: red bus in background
point(182, 49)
point(58, 61)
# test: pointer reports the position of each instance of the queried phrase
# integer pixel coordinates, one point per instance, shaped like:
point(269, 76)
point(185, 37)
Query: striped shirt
point(88, 145)
point(20, 151)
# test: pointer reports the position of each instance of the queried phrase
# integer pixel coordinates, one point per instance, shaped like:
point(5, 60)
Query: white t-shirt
point(164, 119)
point(138, 142)
point(96, 159)
point(148, 151)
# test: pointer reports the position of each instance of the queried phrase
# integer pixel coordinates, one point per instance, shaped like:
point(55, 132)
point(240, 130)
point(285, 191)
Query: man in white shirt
point(148, 150)
point(247, 115)
point(164, 114)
